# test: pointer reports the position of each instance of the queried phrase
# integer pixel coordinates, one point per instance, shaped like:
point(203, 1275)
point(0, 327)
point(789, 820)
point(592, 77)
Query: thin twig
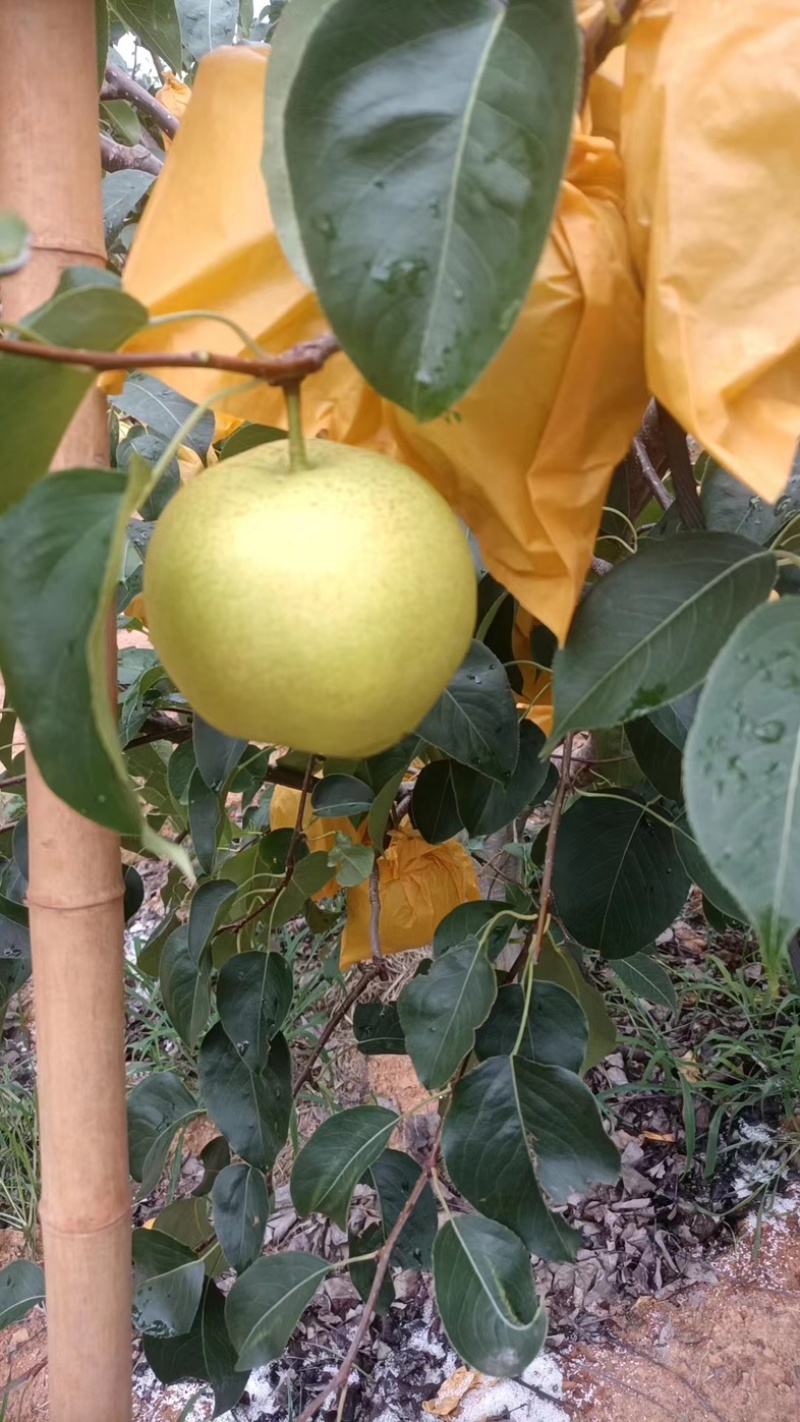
point(382, 1261)
point(533, 942)
point(684, 483)
point(118, 157)
point(290, 858)
point(375, 919)
point(12, 780)
point(371, 971)
point(300, 361)
point(119, 85)
point(648, 472)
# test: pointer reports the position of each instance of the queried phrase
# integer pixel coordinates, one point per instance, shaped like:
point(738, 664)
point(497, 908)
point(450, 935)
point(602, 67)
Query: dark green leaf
point(251, 1108)
point(216, 754)
point(730, 507)
point(618, 881)
point(674, 719)
point(208, 901)
point(15, 950)
point(362, 1271)
point(381, 808)
point(254, 994)
point(648, 632)
point(515, 1126)
point(205, 1352)
point(485, 806)
point(394, 1175)
point(134, 892)
point(557, 965)
point(273, 850)
point(332, 1162)
point(155, 22)
point(340, 796)
point(205, 24)
point(249, 436)
point(148, 958)
point(441, 1012)
point(433, 802)
point(189, 1221)
point(658, 759)
point(469, 921)
point(700, 874)
point(240, 1204)
point(185, 987)
point(265, 1304)
point(38, 398)
point(475, 719)
point(646, 978)
point(163, 410)
point(473, 146)
point(556, 1032)
point(377, 1030)
point(742, 773)
point(157, 1108)
point(56, 550)
point(21, 1288)
point(205, 820)
point(122, 193)
point(214, 1157)
point(486, 1296)
point(168, 1283)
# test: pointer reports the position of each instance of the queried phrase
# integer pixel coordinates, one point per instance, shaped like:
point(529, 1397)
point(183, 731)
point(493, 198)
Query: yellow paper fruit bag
point(711, 146)
point(527, 457)
point(420, 884)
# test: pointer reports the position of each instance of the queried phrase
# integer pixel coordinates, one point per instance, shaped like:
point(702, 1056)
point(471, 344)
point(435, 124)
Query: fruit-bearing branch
point(294, 364)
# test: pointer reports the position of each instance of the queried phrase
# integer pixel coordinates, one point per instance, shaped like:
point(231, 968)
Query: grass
point(19, 1158)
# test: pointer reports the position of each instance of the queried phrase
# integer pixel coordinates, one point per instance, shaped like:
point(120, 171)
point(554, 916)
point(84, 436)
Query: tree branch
point(533, 940)
point(119, 85)
point(293, 364)
point(382, 1262)
point(648, 472)
point(371, 971)
point(117, 157)
point(684, 483)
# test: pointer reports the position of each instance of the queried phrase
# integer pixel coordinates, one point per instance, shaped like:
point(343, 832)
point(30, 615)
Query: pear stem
point(297, 446)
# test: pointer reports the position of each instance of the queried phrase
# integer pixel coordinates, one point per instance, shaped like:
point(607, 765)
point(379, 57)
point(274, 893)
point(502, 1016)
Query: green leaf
point(469, 921)
point(377, 1030)
point(39, 398)
point(559, 966)
point(332, 1162)
point(205, 24)
point(340, 796)
point(485, 806)
point(381, 810)
point(55, 549)
point(265, 1304)
point(251, 1108)
point(556, 1031)
point(649, 631)
point(393, 1176)
point(15, 951)
point(148, 958)
point(205, 1352)
point(618, 881)
point(214, 1156)
point(168, 1283)
point(163, 410)
point(362, 1271)
point(433, 802)
point(486, 1297)
point(157, 1108)
point(700, 874)
point(254, 994)
point(215, 753)
point(15, 243)
point(674, 719)
point(516, 1127)
point(730, 507)
point(475, 719)
point(185, 987)
point(21, 1288)
point(189, 1221)
point(122, 193)
point(352, 863)
point(240, 1205)
point(646, 978)
point(155, 22)
point(249, 436)
point(208, 901)
point(658, 759)
point(441, 1012)
point(428, 174)
point(742, 773)
point(205, 820)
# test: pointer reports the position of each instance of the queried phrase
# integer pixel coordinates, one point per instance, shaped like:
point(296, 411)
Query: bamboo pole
point(50, 174)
